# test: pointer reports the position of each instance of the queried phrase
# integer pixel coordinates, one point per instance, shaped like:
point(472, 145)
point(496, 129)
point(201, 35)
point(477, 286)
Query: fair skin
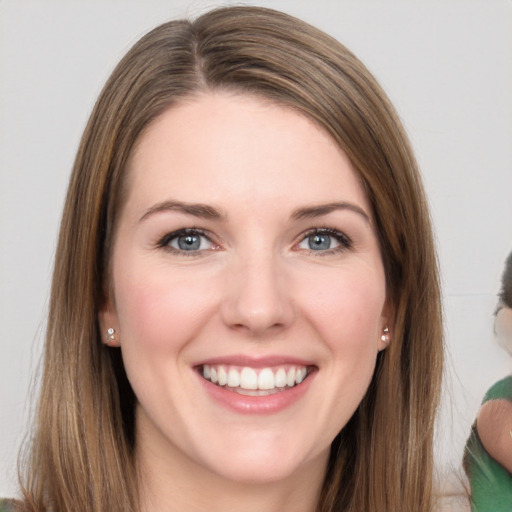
point(278, 276)
point(494, 421)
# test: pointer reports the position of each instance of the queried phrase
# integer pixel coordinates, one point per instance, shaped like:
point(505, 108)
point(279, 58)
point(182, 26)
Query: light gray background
point(447, 66)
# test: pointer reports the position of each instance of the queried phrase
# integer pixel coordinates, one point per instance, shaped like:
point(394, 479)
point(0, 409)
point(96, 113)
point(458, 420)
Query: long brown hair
point(83, 444)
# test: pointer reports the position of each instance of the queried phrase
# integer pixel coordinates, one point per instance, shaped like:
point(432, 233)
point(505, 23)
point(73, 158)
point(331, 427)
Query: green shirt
point(7, 505)
point(491, 483)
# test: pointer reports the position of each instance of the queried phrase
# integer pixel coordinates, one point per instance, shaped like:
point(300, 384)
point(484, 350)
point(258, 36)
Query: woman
point(488, 454)
point(245, 309)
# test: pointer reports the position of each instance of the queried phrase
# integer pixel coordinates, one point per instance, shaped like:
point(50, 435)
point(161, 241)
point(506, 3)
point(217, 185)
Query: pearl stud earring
point(111, 336)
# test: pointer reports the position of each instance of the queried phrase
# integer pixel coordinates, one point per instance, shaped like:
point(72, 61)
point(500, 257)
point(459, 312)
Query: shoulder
point(501, 389)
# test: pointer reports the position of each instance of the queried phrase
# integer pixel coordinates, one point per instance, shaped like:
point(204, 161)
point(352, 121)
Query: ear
point(387, 326)
point(109, 325)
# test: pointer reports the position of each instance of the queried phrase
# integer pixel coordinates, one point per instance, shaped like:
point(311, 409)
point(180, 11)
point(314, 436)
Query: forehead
point(222, 147)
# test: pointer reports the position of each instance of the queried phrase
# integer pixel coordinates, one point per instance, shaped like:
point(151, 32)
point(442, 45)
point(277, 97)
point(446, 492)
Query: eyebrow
point(202, 211)
point(323, 209)
point(205, 211)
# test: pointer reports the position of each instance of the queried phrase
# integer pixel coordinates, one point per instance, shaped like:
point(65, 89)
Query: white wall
point(447, 65)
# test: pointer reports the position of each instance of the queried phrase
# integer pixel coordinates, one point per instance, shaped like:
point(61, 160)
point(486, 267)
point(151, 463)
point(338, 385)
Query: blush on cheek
point(158, 312)
point(350, 308)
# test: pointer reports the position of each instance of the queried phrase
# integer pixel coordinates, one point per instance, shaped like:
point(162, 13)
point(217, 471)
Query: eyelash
point(345, 243)
point(164, 242)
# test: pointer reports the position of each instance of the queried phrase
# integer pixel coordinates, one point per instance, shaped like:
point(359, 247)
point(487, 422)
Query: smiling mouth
point(255, 382)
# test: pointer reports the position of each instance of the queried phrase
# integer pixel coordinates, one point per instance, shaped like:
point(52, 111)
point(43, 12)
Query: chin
point(257, 462)
point(258, 472)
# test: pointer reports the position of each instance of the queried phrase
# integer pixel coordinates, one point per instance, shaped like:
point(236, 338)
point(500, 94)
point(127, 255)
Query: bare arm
point(494, 425)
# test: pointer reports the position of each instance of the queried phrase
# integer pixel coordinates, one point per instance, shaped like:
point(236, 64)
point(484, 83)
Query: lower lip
point(268, 404)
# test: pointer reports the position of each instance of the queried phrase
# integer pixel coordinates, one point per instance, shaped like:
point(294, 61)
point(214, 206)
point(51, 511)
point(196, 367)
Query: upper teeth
point(250, 378)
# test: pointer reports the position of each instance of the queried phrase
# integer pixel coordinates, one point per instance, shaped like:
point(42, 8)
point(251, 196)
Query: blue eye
point(187, 240)
point(319, 242)
point(325, 240)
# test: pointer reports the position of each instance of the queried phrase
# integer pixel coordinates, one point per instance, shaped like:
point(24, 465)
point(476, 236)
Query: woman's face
point(503, 328)
point(248, 289)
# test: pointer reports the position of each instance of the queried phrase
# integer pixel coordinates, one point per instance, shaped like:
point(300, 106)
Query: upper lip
point(255, 362)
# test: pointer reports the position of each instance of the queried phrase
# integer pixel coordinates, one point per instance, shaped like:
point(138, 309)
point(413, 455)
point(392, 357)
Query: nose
point(257, 297)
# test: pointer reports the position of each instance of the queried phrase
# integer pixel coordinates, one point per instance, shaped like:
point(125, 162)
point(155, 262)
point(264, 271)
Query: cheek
point(160, 309)
point(348, 308)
